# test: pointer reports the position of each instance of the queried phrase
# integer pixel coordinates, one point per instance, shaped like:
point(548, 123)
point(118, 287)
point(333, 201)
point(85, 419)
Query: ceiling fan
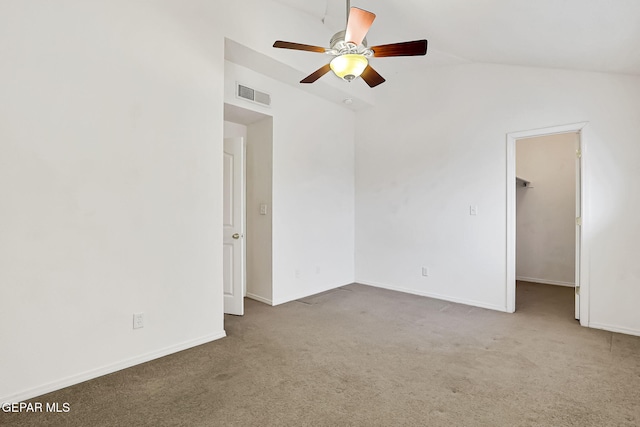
point(351, 52)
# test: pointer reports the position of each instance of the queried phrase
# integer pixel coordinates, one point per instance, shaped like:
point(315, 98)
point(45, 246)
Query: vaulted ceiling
point(594, 35)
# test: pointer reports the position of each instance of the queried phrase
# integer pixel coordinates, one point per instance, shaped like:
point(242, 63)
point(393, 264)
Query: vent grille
point(263, 98)
point(253, 95)
point(246, 93)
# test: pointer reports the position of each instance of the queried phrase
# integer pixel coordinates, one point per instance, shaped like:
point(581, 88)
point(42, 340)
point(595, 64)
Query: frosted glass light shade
point(349, 66)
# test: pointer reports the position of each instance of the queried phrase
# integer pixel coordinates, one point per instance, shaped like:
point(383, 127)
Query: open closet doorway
point(247, 263)
point(545, 233)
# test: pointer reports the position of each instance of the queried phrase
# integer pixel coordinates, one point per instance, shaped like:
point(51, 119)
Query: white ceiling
point(594, 35)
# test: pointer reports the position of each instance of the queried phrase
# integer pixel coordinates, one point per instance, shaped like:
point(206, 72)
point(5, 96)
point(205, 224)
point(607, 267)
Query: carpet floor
point(363, 356)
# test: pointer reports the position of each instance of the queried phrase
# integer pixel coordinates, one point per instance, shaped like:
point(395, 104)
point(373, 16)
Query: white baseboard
point(308, 294)
point(432, 295)
point(114, 367)
point(617, 329)
point(546, 281)
point(259, 298)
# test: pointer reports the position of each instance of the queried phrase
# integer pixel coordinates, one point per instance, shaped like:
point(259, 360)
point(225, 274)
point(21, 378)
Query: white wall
point(313, 186)
point(260, 227)
point(111, 186)
point(446, 150)
point(111, 128)
point(546, 211)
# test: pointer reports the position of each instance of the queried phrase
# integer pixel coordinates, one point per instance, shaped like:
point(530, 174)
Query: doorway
point(247, 265)
point(546, 214)
point(515, 186)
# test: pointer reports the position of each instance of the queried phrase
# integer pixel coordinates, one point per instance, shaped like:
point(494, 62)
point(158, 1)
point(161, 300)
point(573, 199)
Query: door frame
point(582, 241)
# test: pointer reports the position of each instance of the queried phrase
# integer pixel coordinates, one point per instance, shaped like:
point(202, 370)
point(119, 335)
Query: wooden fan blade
point(413, 48)
point(371, 77)
point(299, 46)
point(358, 25)
point(316, 74)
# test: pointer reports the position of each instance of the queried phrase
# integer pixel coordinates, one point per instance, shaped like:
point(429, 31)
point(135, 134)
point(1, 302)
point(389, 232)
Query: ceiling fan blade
point(413, 48)
point(358, 25)
point(299, 46)
point(316, 74)
point(371, 77)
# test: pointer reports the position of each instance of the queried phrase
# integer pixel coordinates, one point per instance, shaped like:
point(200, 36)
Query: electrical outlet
point(473, 210)
point(425, 271)
point(138, 320)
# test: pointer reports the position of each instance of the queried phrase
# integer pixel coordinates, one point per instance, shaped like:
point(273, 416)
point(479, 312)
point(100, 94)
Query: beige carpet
point(363, 356)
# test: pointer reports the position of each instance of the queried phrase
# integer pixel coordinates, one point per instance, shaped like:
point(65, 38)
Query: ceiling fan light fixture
point(349, 66)
point(351, 51)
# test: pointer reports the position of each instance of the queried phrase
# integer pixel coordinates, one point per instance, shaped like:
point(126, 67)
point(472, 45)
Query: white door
point(578, 223)
point(233, 225)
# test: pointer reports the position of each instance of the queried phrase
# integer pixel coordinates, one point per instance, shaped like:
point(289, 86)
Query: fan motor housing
point(341, 47)
point(339, 38)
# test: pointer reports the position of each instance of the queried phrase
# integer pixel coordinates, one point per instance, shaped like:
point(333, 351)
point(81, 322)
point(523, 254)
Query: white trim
point(308, 294)
point(510, 285)
point(616, 329)
point(108, 369)
point(259, 298)
point(585, 200)
point(432, 295)
point(546, 281)
point(510, 290)
point(244, 218)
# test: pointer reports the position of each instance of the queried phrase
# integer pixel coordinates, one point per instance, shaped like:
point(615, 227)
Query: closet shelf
point(521, 182)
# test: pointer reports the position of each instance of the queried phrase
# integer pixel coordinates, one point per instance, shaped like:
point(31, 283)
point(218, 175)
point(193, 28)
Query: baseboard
point(617, 329)
point(307, 294)
point(545, 281)
point(259, 298)
point(109, 369)
point(433, 295)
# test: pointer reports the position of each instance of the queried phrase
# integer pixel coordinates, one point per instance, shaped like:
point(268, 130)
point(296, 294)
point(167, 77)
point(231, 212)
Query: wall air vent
point(253, 95)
